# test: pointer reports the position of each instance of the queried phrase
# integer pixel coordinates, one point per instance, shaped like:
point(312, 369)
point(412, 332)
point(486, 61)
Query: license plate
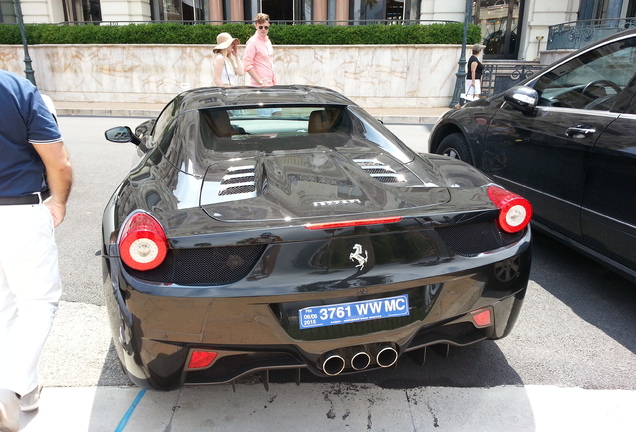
point(344, 313)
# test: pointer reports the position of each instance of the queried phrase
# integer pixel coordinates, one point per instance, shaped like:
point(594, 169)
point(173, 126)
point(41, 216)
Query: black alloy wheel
point(456, 147)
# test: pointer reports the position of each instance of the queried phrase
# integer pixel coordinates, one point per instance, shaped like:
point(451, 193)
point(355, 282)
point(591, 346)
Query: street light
point(30, 75)
point(461, 70)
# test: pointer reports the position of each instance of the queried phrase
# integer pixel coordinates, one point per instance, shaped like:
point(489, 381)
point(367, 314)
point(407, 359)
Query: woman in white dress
point(227, 63)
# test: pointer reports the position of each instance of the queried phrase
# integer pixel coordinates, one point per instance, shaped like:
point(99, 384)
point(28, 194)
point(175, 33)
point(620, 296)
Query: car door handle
point(580, 131)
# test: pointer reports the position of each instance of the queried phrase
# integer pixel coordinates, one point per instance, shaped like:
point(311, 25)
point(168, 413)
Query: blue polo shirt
point(24, 120)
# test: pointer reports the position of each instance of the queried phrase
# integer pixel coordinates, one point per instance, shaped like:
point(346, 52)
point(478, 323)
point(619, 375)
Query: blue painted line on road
point(124, 420)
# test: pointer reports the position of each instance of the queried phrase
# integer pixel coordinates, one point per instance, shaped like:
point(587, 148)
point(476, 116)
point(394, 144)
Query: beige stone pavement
point(107, 109)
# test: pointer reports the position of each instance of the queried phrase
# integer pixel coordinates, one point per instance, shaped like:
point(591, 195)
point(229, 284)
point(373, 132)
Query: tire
point(456, 147)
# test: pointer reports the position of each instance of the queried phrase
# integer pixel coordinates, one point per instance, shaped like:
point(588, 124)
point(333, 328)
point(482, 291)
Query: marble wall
point(374, 76)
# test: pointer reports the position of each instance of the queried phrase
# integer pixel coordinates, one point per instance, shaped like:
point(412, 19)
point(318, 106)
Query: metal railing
point(278, 22)
point(577, 34)
point(500, 76)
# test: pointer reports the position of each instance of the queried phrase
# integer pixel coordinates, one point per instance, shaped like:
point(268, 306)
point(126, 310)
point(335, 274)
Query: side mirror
point(145, 128)
point(522, 98)
point(122, 134)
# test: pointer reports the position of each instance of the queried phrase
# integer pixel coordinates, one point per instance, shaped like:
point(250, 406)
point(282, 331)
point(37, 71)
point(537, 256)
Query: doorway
point(499, 21)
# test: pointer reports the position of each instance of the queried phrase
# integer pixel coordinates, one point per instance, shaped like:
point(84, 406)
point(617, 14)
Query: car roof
point(212, 97)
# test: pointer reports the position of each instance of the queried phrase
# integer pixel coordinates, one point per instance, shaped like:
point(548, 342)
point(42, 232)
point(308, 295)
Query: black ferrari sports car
point(286, 228)
point(564, 139)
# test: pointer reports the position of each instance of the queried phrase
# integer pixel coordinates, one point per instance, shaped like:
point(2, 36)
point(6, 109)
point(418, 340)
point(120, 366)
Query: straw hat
point(224, 40)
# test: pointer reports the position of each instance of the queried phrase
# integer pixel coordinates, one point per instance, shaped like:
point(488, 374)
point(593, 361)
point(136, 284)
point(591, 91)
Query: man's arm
point(248, 63)
point(59, 175)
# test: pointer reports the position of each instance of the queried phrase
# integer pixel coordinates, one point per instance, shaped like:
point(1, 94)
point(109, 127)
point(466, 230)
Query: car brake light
point(201, 359)
point(515, 211)
point(481, 317)
point(332, 225)
point(143, 244)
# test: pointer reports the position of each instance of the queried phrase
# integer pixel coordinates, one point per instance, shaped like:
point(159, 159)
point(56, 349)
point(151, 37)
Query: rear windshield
point(224, 130)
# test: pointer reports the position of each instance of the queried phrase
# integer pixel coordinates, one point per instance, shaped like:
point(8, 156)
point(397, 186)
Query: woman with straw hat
point(227, 64)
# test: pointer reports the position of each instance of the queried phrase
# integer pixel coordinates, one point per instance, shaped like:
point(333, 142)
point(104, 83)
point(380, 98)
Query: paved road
point(575, 332)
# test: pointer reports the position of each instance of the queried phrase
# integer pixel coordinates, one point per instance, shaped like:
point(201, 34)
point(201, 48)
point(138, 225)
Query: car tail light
point(142, 244)
point(358, 222)
point(515, 211)
point(481, 317)
point(201, 359)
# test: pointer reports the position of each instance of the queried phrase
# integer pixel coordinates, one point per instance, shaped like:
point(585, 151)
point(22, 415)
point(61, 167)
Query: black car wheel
point(455, 146)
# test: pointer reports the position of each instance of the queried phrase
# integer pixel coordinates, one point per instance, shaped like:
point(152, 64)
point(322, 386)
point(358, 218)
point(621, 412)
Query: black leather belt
point(35, 198)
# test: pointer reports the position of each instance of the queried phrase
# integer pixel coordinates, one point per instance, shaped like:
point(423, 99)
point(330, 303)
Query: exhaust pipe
point(386, 356)
point(333, 364)
point(360, 360)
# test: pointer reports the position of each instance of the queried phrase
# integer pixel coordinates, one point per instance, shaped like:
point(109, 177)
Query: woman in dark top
point(473, 72)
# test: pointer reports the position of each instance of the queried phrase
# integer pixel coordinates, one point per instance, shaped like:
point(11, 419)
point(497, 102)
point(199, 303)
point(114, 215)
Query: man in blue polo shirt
point(35, 182)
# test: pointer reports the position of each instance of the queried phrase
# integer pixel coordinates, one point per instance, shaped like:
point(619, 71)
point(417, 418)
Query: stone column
point(216, 11)
point(236, 10)
point(319, 12)
point(342, 11)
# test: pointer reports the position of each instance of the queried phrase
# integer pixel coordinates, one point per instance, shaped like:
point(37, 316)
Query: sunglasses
point(263, 27)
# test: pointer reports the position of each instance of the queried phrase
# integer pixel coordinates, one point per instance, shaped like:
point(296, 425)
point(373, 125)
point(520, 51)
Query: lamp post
point(461, 69)
point(27, 60)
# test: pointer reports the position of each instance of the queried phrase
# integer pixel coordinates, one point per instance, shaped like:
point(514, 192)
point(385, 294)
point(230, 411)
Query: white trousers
point(30, 290)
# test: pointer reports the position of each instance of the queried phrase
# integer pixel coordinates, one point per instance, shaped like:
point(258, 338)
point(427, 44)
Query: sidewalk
point(107, 109)
point(331, 407)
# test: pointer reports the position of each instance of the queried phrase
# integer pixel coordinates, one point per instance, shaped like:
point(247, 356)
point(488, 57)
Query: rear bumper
point(155, 335)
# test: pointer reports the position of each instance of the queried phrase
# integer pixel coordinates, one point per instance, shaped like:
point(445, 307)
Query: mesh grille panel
point(379, 170)
point(238, 189)
point(473, 239)
point(233, 180)
point(248, 170)
point(386, 179)
point(209, 266)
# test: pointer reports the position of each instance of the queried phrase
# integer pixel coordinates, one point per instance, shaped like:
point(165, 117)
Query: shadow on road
point(596, 294)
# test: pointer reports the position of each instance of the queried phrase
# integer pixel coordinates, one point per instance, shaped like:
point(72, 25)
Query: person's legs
point(9, 411)
point(9, 404)
point(29, 263)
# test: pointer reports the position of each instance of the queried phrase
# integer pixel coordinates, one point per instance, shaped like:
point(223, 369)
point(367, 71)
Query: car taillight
point(142, 244)
point(201, 359)
point(515, 211)
point(358, 222)
point(481, 317)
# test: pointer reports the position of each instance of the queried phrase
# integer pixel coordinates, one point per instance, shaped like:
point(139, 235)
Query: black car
point(286, 228)
point(564, 139)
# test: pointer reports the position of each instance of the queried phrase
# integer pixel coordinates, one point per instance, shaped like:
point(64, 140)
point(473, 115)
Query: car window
point(245, 124)
point(164, 119)
point(272, 128)
point(592, 80)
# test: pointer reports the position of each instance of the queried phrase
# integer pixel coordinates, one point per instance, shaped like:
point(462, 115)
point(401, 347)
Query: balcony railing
point(577, 34)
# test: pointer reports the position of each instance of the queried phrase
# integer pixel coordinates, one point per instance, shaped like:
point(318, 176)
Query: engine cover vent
point(238, 180)
point(380, 171)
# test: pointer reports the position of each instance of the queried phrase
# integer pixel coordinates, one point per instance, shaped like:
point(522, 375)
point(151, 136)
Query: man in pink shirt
point(259, 54)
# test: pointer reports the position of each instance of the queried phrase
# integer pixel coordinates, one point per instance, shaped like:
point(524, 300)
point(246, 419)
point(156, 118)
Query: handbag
point(464, 98)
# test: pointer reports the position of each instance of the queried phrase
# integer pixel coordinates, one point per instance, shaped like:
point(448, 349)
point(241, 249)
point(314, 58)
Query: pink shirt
point(259, 55)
